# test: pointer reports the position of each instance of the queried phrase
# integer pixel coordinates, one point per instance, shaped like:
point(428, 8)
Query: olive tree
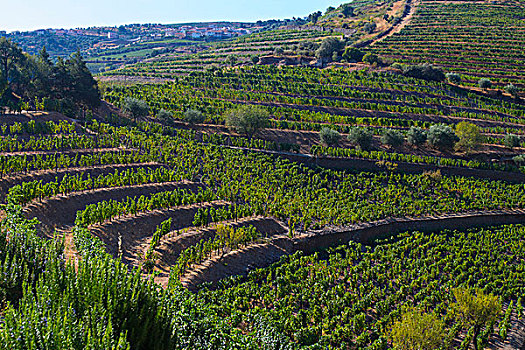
point(247, 119)
point(416, 136)
point(393, 138)
point(511, 141)
point(485, 83)
point(329, 137)
point(454, 78)
point(441, 136)
point(328, 47)
point(361, 137)
point(135, 107)
point(193, 116)
point(512, 89)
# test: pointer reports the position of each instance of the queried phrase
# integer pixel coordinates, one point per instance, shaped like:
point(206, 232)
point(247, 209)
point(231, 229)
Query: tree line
point(30, 82)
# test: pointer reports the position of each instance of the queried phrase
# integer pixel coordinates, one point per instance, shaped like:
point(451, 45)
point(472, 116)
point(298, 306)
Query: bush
point(512, 89)
point(247, 120)
point(370, 27)
point(164, 115)
point(454, 78)
point(254, 59)
point(485, 83)
point(441, 137)
point(511, 141)
point(371, 58)
point(424, 71)
point(416, 136)
point(469, 135)
point(353, 54)
point(328, 47)
point(361, 137)
point(135, 108)
point(417, 330)
point(329, 137)
point(193, 116)
point(392, 138)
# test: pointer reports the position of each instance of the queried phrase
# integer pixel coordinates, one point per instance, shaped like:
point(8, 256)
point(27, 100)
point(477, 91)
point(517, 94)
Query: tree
point(135, 107)
point(361, 137)
point(485, 83)
point(441, 136)
point(454, 78)
point(254, 59)
point(164, 115)
point(85, 92)
point(328, 47)
point(392, 138)
point(231, 60)
point(193, 116)
point(416, 136)
point(330, 9)
point(329, 137)
point(314, 17)
point(247, 119)
point(424, 71)
point(512, 89)
point(417, 331)
point(347, 10)
point(10, 56)
point(353, 54)
point(469, 135)
point(371, 58)
point(511, 141)
point(476, 309)
point(370, 27)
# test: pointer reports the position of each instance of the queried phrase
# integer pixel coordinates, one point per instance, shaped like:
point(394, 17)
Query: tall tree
point(10, 55)
point(84, 88)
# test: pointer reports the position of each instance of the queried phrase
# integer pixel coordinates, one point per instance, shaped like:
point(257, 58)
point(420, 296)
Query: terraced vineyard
point(157, 222)
point(475, 39)
point(178, 207)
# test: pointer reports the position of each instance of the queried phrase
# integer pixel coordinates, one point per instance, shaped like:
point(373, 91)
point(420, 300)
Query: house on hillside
point(112, 35)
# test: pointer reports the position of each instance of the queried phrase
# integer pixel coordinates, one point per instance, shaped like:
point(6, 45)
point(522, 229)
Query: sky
point(26, 15)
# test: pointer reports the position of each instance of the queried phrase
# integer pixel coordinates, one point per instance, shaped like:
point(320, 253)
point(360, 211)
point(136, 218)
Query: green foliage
point(135, 108)
point(328, 47)
point(416, 136)
point(392, 137)
point(424, 71)
point(247, 119)
point(454, 78)
point(329, 137)
point(361, 137)
point(469, 136)
point(512, 141)
point(485, 83)
point(476, 309)
point(353, 54)
point(193, 116)
point(164, 115)
point(372, 58)
point(417, 330)
point(441, 137)
point(512, 89)
point(370, 27)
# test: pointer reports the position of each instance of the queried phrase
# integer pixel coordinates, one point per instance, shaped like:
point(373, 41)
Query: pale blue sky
point(37, 14)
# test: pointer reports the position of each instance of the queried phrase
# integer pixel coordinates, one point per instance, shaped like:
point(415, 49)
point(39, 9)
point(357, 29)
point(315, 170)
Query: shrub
point(469, 136)
point(164, 115)
point(424, 71)
point(361, 137)
point(329, 137)
point(511, 141)
point(416, 136)
point(370, 27)
point(454, 78)
point(247, 120)
point(512, 89)
point(417, 330)
point(392, 138)
point(353, 54)
point(328, 47)
point(135, 107)
point(441, 136)
point(254, 59)
point(193, 116)
point(372, 58)
point(485, 83)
